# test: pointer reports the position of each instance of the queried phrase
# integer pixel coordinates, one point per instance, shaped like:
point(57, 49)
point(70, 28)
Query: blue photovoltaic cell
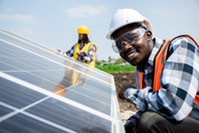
point(17, 95)
point(24, 124)
point(44, 92)
point(68, 116)
point(4, 110)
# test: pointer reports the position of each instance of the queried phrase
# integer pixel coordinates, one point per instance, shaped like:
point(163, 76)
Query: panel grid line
point(55, 61)
point(63, 99)
point(85, 65)
point(22, 111)
point(44, 89)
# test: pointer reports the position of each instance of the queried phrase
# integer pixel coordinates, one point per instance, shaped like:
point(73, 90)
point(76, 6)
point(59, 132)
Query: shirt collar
point(157, 44)
point(150, 62)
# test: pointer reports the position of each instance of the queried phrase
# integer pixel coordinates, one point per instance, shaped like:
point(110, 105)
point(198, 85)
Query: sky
point(54, 23)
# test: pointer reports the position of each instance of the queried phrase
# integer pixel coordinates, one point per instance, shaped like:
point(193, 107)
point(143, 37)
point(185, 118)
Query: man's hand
point(123, 90)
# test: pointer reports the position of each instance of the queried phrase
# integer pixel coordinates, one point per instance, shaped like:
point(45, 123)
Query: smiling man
point(167, 75)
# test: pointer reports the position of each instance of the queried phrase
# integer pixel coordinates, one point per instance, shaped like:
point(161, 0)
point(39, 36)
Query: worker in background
point(167, 76)
point(83, 51)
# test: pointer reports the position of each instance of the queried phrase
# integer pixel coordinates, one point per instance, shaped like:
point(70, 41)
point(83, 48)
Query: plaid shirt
point(87, 58)
point(179, 79)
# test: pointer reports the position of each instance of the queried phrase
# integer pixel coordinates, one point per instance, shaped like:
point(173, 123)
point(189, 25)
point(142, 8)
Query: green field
point(117, 68)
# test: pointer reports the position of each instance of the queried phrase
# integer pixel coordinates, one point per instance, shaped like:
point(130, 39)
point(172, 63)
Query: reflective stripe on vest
point(159, 64)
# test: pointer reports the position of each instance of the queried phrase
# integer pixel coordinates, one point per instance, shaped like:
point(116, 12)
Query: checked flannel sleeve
point(68, 53)
point(87, 58)
point(179, 80)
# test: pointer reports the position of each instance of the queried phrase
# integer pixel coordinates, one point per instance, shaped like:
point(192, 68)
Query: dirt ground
point(126, 108)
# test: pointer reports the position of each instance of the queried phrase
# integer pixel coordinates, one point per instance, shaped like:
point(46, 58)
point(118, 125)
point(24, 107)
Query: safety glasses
point(129, 37)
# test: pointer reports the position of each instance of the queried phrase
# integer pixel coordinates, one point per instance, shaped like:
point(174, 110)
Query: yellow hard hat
point(83, 30)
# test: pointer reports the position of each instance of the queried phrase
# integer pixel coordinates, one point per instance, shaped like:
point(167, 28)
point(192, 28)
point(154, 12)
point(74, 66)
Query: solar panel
point(44, 92)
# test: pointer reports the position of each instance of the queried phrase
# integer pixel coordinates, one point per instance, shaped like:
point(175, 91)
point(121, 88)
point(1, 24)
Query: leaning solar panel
point(44, 92)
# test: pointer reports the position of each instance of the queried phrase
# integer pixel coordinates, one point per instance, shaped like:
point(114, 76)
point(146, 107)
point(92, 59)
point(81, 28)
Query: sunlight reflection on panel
point(44, 92)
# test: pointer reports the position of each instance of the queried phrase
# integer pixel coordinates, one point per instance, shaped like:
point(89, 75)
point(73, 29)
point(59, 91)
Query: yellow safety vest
point(75, 76)
point(86, 48)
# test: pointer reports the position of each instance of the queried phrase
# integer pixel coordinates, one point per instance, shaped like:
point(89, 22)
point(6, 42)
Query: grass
point(113, 68)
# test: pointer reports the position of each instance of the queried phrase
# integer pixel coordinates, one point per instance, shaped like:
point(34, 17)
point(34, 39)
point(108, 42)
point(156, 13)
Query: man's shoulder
point(182, 40)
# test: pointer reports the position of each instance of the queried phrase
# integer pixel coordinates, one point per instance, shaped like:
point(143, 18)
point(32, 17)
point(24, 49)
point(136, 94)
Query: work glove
point(123, 90)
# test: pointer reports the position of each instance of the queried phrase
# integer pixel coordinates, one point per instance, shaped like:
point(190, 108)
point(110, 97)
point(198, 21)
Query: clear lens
point(129, 37)
point(114, 47)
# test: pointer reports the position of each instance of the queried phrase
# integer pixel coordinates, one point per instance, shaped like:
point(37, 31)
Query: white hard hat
point(124, 17)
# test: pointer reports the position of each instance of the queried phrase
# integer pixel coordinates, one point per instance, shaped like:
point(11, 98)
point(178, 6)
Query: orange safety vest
point(160, 60)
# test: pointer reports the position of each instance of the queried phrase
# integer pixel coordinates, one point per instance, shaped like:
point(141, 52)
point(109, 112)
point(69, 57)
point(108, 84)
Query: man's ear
point(148, 34)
